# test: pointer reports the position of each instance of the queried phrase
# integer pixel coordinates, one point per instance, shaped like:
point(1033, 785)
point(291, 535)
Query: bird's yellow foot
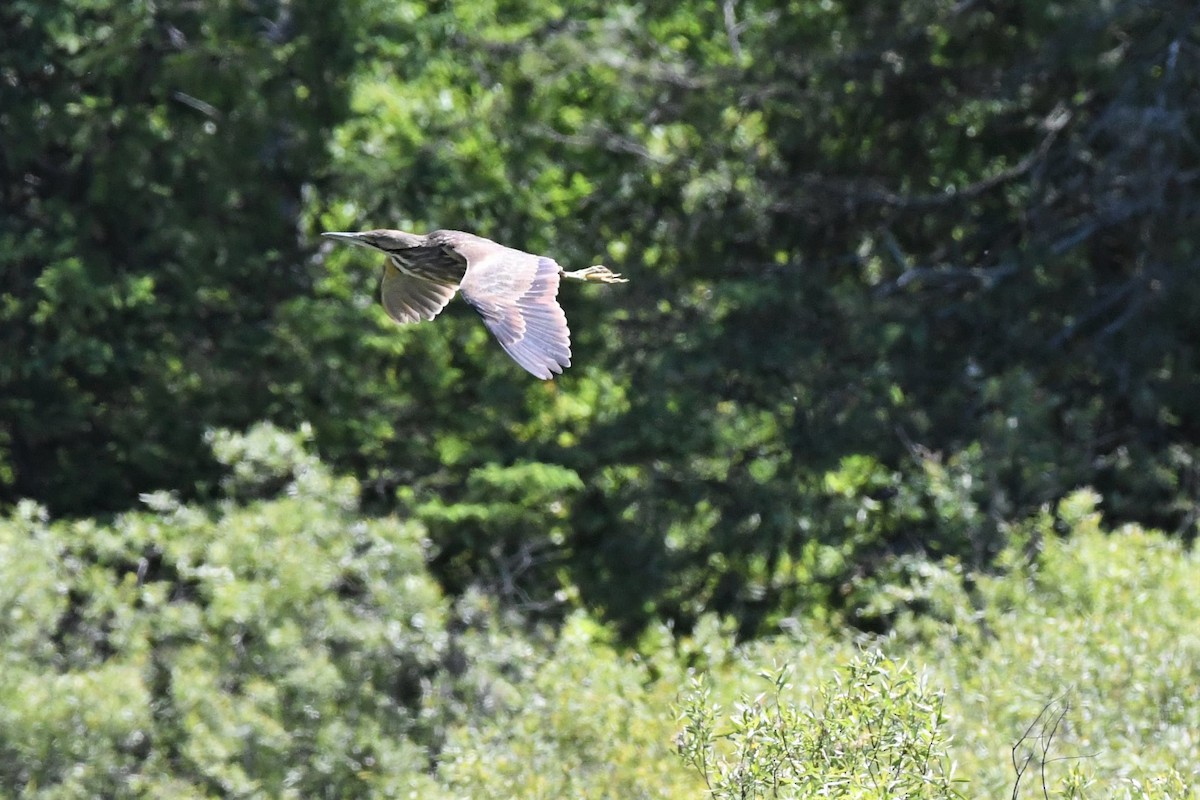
point(596, 274)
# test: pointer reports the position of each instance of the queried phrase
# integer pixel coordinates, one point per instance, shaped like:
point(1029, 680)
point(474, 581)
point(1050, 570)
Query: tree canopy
point(902, 273)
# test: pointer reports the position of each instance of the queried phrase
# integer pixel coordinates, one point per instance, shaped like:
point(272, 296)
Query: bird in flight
point(512, 290)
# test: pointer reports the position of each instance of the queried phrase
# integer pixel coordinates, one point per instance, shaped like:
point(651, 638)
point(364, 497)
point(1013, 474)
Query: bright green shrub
point(1081, 654)
point(876, 731)
point(1099, 624)
point(590, 723)
point(283, 647)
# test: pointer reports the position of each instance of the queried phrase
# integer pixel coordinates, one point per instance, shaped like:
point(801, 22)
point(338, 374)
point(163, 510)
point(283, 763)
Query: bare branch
point(732, 29)
point(599, 138)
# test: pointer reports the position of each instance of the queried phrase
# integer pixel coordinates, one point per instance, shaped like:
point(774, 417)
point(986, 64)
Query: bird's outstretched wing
point(515, 294)
point(411, 298)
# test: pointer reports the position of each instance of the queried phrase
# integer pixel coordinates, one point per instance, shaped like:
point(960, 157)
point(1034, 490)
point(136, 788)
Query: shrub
point(877, 731)
point(281, 647)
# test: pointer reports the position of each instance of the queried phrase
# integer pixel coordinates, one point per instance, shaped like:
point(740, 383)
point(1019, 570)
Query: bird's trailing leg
point(596, 274)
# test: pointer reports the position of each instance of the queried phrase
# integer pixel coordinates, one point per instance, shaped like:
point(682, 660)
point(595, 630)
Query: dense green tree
point(150, 181)
point(902, 273)
point(876, 277)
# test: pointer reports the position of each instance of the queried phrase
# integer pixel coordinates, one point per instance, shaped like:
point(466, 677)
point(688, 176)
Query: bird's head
point(381, 239)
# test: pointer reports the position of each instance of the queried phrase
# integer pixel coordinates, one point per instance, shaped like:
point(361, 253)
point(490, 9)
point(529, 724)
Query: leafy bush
point(282, 647)
point(590, 723)
point(1100, 625)
point(877, 731)
point(1022, 666)
point(281, 644)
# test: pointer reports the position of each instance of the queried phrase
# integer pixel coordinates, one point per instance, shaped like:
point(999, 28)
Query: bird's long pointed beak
point(347, 236)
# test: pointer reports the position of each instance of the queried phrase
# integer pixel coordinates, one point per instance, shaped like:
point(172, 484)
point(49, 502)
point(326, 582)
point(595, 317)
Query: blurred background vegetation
point(915, 297)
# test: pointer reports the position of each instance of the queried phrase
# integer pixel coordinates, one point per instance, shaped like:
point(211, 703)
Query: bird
point(514, 291)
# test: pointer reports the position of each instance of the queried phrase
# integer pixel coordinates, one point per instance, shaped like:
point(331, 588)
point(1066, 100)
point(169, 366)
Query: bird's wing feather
point(435, 262)
point(515, 294)
point(409, 298)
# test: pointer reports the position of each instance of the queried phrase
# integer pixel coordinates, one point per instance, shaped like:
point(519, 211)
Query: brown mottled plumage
point(512, 290)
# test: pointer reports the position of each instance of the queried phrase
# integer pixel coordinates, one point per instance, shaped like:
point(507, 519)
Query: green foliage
point(1101, 625)
point(152, 174)
point(904, 277)
point(590, 722)
point(284, 645)
point(903, 273)
point(878, 732)
point(507, 531)
point(889, 250)
point(1076, 665)
point(946, 722)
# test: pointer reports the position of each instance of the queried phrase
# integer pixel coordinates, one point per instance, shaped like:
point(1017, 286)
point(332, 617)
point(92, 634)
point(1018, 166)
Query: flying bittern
point(512, 290)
